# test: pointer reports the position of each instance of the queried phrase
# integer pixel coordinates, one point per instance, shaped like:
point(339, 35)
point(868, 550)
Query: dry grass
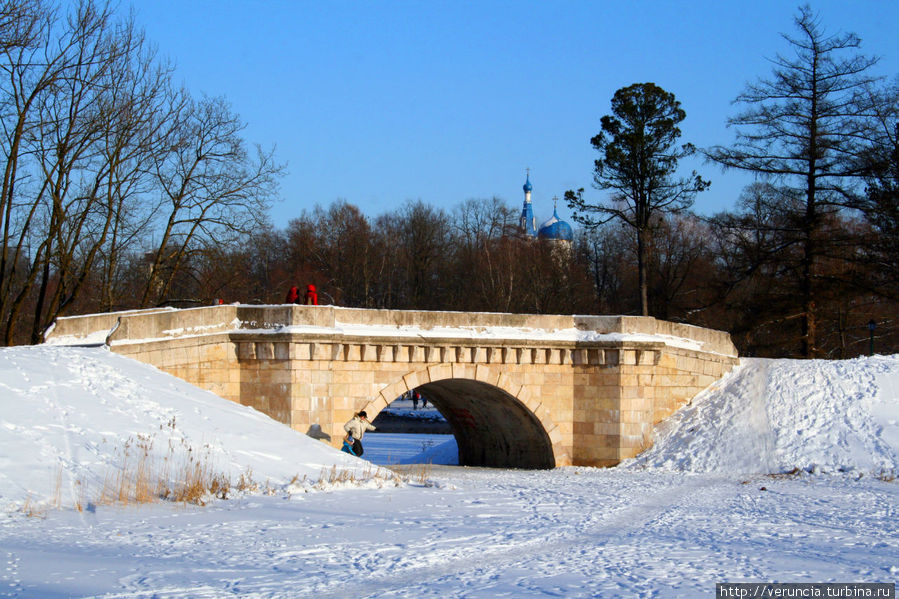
point(340, 476)
point(421, 474)
point(141, 476)
point(794, 473)
point(195, 484)
point(34, 510)
point(887, 476)
point(246, 483)
point(57, 494)
point(646, 440)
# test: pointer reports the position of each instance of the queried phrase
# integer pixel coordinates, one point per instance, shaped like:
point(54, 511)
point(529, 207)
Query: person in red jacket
point(293, 295)
point(311, 296)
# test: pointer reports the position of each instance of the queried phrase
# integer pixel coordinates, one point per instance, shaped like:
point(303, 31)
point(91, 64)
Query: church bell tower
point(528, 222)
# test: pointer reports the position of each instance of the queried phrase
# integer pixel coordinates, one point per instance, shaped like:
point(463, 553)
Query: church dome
point(556, 229)
point(527, 185)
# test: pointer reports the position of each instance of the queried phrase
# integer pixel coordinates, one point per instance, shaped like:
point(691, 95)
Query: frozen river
point(396, 448)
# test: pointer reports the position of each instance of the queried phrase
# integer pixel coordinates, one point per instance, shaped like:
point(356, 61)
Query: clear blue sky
point(385, 101)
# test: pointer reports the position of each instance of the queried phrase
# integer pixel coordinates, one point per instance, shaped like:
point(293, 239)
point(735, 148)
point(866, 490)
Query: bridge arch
point(493, 427)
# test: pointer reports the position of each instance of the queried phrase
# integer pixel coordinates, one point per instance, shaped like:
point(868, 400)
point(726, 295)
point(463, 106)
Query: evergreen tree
point(638, 161)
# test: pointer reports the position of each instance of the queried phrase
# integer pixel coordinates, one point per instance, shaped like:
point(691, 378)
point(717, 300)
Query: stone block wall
point(209, 362)
point(617, 405)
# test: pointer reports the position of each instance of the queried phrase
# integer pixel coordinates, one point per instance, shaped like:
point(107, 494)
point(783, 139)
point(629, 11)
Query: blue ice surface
point(405, 448)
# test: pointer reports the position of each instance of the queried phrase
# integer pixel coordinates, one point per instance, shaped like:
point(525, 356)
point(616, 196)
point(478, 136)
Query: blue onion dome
point(527, 185)
point(556, 229)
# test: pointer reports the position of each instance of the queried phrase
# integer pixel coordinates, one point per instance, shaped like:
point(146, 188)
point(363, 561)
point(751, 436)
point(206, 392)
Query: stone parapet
point(142, 325)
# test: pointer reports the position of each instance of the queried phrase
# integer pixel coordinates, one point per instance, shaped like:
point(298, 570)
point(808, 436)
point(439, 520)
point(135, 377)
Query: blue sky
point(382, 102)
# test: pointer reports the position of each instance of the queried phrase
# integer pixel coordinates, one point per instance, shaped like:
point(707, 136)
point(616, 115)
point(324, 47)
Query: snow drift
point(71, 417)
point(774, 416)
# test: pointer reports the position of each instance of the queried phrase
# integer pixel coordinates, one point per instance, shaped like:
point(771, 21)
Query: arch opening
point(492, 428)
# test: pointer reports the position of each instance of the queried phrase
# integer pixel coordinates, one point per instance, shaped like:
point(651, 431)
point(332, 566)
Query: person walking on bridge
point(356, 427)
point(311, 297)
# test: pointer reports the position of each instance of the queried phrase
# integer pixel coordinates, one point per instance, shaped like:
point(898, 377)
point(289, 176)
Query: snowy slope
point(69, 417)
point(72, 417)
point(772, 416)
point(466, 532)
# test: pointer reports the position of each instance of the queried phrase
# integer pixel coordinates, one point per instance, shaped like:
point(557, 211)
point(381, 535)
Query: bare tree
point(211, 188)
point(55, 94)
point(21, 23)
point(340, 248)
point(681, 265)
point(418, 248)
point(879, 202)
point(485, 255)
point(602, 249)
point(140, 112)
point(100, 154)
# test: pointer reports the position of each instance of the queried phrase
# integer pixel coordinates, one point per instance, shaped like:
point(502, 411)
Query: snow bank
point(72, 417)
point(772, 416)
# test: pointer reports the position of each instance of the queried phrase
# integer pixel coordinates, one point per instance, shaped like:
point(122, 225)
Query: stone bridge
point(522, 391)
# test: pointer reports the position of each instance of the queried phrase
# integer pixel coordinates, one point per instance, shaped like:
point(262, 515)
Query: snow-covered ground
point(72, 419)
point(697, 509)
point(773, 416)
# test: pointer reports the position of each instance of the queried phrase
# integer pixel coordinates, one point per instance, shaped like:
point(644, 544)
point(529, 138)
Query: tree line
point(120, 190)
point(701, 270)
